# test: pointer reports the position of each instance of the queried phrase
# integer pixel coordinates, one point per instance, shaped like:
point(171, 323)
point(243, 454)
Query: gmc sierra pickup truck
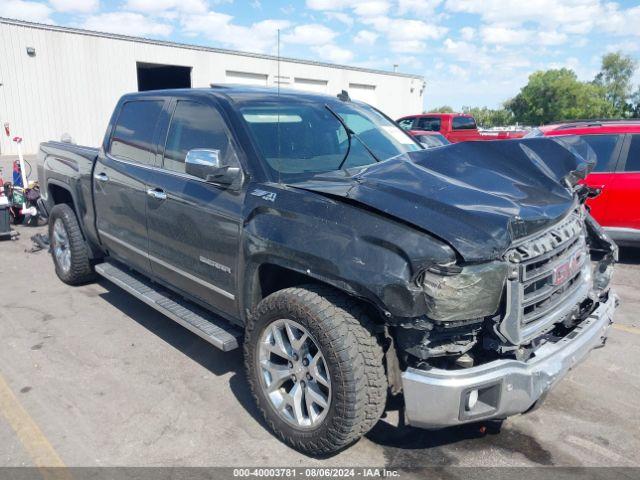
point(351, 264)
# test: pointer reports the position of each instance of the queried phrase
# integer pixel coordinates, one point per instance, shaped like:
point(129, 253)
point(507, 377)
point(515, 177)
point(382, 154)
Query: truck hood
point(477, 196)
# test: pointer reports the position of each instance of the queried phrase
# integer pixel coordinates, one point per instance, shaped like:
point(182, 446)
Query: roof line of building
point(129, 38)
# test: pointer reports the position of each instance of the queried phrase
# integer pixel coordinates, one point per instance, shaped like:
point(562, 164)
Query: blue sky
point(471, 52)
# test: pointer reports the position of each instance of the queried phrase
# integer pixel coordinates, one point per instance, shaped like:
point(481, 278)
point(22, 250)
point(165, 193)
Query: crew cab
point(616, 174)
point(456, 127)
point(351, 264)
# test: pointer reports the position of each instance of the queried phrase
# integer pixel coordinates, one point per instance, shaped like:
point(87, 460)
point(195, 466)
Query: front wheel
point(315, 368)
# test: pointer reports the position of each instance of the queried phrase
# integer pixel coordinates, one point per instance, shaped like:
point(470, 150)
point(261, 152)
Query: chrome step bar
point(207, 325)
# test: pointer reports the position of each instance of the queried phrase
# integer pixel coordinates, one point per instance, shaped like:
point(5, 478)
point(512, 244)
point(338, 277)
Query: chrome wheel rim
point(293, 374)
point(61, 249)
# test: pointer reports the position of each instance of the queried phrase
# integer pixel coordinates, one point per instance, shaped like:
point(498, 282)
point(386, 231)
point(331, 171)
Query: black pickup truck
point(352, 265)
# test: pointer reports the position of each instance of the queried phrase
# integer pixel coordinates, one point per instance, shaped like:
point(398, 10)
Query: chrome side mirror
point(206, 164)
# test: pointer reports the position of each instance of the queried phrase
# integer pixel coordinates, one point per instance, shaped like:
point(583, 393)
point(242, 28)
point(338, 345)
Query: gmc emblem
point(567, 269)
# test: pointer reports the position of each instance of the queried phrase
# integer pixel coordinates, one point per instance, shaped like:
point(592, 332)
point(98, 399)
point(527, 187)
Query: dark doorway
point(155, 76)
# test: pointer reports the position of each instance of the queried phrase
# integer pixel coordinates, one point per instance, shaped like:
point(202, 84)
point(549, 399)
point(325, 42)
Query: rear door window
point(464, 123)
point(132, 137)
point(429, 124)
point(604, 147)
point(633, 158)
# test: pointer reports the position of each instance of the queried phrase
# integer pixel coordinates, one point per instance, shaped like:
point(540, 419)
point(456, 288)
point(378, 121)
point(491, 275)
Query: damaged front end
point(544, 286)
point(497, 335)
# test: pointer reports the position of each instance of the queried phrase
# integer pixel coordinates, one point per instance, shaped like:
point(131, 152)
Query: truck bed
point(66, 169)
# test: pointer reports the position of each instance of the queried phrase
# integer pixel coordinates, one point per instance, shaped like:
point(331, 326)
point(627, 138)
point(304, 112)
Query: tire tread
point(356, 352)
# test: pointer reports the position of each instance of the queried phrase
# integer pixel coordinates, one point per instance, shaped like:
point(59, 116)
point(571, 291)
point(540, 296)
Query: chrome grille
point(553, 275)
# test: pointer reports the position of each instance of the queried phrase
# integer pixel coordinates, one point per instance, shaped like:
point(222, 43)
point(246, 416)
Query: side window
point(132, 137)
point(195, 125)
point(406, 123)
point(464, 123)
point(429, 124)
point(633, 159)
point(604, 147)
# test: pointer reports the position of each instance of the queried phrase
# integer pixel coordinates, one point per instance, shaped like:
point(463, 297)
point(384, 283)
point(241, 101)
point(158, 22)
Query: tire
point(73, 266)
point(354, 366)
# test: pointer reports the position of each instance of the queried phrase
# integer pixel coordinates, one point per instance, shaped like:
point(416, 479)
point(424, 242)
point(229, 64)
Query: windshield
point(300, 139)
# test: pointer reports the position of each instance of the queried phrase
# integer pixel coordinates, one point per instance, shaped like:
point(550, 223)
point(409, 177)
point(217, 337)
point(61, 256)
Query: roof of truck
point(239, 93)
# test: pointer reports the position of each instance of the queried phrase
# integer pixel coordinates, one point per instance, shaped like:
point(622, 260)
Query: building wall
point(75, 78)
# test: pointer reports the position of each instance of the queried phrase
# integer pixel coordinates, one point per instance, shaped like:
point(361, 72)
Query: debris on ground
point(40, 242)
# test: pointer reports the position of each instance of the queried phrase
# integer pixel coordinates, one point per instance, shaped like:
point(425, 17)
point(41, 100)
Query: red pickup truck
point(617, 172)
point(456, 127)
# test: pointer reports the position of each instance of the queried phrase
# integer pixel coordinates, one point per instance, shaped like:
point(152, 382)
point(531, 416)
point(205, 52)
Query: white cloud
point(406, 35)
point(551, 38)
point(408, 61)
point(467, 33)
point(422, 8)
point(406, 29)
point(340, 17)
point(365, 37)
point(82, 6)
point(157, 6)
point(30, 11)
point(327, 4)
point(127, 23)
point(577, 17)
point(371, 9)
point(458, 72)
point(497, 35)
point(484, 59)
point(333, 53)
point(566, 14)
point(311, 34)
point(620, 22)
point(218, 27)
point(362, 8)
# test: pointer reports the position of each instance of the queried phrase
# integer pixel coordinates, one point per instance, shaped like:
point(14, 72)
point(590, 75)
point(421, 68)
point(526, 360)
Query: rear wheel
point(315, 368)
point(68, 248)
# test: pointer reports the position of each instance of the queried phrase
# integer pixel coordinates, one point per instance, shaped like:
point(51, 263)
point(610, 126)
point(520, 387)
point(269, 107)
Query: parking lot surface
point(90, 376)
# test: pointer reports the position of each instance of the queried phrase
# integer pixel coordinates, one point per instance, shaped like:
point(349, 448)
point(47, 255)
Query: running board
point(207, 325)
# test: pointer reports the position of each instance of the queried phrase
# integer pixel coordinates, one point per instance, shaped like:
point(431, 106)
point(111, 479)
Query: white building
point(56, 80)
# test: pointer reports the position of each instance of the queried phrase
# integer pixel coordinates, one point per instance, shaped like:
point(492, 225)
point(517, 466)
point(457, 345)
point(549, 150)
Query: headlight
point(472, 292)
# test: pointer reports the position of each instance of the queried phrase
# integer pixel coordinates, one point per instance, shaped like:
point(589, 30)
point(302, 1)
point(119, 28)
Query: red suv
point(617, 172)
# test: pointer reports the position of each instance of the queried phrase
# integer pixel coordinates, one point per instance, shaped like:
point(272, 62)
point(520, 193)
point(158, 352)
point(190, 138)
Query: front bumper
point(439, 398)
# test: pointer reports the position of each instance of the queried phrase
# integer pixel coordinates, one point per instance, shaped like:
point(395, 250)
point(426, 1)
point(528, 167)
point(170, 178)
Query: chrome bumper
point(439, 398)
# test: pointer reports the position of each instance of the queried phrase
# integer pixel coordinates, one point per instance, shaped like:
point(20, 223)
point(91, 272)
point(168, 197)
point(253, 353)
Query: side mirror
point(206, 164)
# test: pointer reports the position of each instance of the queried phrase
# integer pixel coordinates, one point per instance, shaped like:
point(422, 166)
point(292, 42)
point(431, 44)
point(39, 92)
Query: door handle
point(103, 177)
point(157, 193)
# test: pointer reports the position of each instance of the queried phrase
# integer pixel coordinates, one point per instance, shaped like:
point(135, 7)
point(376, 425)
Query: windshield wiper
point(350, 133)
point(346, 129)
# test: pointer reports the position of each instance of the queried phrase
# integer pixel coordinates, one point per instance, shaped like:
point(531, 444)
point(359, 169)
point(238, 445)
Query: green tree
point(635, 104)
point(615, 78)
point(488, 117)
point(556, 95)
point(442, 109)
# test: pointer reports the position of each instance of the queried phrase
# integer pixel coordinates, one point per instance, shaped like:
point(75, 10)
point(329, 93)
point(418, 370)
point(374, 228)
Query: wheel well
point(61, 195)
point(272, 278)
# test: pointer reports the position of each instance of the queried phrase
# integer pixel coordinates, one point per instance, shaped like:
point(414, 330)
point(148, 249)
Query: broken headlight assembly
point(455, 293)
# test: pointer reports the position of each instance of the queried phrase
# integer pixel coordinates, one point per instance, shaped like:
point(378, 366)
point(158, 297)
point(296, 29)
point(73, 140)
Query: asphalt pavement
point(90, 376)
